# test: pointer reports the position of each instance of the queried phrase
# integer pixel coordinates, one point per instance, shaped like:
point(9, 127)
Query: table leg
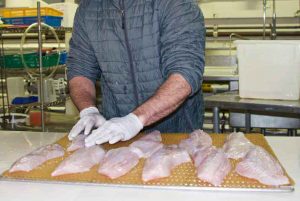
point(233, 85)
point(248, 122)
point(216, 120)
point(292, 132)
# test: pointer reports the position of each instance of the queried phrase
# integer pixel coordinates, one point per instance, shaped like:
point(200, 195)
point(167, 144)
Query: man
point(149, 56)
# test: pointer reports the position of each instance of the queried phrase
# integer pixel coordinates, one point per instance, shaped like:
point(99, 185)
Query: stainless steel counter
point(232, 101)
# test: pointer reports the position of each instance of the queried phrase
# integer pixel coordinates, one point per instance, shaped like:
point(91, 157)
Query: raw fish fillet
point(77, 143)
point(237, 145)
point(118, 162)
point(153, 136)
point(260, 165)
point(196, 140)
point(162, 162)
point(201, 154)
point(148, 144)
point(37, 157)
point(214, 168)
point(81, 160)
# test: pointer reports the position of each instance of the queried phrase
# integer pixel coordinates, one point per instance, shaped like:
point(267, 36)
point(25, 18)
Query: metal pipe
point(41, 65)
point(236, 36)
point(297, 14)
point(4, 88)
point(264, 18)
point(273, 31)
point(3, 80)
point(216, 120)
point(248, 122)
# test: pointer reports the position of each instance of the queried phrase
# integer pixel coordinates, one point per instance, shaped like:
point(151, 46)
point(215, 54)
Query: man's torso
point(126, 42)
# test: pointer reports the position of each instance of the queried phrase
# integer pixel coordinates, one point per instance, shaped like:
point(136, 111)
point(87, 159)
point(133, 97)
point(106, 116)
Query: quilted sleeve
point(182, 41)
point(81, 59)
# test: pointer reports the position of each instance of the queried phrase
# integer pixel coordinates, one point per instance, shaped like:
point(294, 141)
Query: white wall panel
point(246, 8)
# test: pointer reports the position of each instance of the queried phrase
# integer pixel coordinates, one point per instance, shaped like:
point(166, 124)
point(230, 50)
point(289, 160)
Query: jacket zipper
point(132, 72)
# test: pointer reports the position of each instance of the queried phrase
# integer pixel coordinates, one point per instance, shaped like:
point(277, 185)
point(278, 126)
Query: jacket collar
point(127, 4)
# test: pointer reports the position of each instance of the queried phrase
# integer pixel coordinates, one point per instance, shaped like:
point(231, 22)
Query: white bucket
point(15, 87)
point(269, 69)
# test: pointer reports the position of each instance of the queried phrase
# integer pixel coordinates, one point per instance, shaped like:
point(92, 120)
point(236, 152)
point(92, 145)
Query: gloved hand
point(89, 118)
point(115, 129)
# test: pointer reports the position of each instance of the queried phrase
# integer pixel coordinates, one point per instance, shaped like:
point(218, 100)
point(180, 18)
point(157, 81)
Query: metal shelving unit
point(15, 31)
point(21, 29)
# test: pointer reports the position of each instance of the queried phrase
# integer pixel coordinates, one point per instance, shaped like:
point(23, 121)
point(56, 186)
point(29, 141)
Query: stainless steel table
point(233, 80)
point(232, 101)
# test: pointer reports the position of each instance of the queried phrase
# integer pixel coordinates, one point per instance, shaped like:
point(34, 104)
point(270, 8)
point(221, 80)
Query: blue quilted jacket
point(132, 46)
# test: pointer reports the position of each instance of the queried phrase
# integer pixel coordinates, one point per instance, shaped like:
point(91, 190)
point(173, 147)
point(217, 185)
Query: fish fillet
point(148, 144)
point(77, 143)
point(237, 145)
point(153, 136)
point(81, 160)
point(214, 167)
point(118, 162)
point(196, 140)
point(201, 154)
point(162, 162)
point(37, 157)
point(260, 165)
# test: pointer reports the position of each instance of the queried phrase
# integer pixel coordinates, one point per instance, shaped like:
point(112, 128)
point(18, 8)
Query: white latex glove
point(89, 118)
point(115, 129)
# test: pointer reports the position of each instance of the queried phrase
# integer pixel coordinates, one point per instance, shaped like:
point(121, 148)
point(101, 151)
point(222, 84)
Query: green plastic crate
point(14, 61)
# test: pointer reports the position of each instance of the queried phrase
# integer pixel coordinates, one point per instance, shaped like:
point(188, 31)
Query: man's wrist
point(142, 118)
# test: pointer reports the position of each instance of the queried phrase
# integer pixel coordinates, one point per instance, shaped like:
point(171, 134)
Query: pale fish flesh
point(214, 168)
point(162, 162)
point(81, 160)
point(148, 144)
point(237, 145)
point(196, 140)
point(118, 162)
point(77, 143)
point(37, 157)
point(260, 165)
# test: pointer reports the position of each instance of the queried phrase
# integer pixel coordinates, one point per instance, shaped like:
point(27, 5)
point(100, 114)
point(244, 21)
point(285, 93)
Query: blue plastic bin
point(24, 100)
point(63, 58)
point(50, 20)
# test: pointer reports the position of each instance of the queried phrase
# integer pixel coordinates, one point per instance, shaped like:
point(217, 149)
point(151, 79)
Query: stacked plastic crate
point(27, 16)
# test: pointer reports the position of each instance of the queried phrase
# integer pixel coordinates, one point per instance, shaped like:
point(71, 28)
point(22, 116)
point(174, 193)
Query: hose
point(31, 73)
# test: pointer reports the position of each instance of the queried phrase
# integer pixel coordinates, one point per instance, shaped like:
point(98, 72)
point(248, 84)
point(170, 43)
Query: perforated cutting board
point(183, 177)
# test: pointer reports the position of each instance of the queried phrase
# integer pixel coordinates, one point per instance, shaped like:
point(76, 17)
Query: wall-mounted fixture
point(264, 18)
point(273, 30)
